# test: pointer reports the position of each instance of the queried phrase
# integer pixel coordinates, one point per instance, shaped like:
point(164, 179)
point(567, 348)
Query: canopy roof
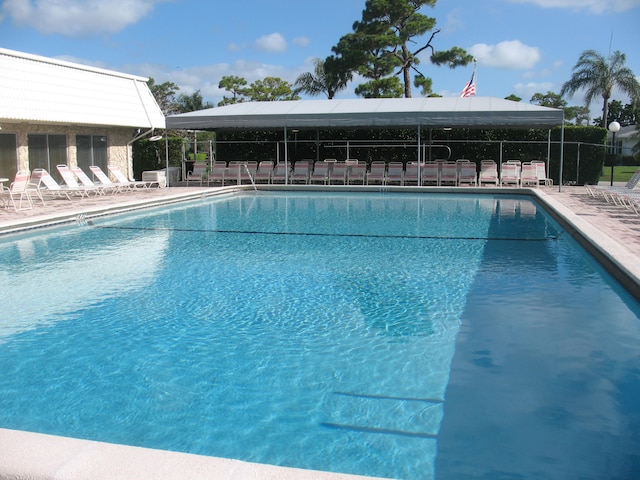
point(471, 112)
point(43, 90)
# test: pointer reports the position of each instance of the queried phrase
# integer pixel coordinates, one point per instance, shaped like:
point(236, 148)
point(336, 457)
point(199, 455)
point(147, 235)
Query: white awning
point(43, 90)
point(472, 112)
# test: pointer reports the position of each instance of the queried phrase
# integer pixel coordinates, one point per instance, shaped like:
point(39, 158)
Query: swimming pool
point(398, 335)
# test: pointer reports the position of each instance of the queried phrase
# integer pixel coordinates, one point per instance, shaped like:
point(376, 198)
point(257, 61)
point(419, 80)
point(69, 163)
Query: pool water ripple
point(329, 352)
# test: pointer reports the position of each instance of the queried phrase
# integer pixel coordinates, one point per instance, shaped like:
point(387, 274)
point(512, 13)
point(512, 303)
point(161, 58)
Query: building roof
point(43, 90)
point(471, 112)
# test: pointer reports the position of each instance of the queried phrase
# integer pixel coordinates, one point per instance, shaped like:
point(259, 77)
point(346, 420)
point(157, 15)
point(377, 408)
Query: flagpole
point(475, 72)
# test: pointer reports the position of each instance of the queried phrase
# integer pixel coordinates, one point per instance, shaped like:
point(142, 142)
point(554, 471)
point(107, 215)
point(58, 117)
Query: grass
point(620, 174)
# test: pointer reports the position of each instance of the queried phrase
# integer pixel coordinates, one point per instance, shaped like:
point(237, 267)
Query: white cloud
point(594, 6)
point(272, 43)
point(301, 41)
point(77, 18)
point(512, 54)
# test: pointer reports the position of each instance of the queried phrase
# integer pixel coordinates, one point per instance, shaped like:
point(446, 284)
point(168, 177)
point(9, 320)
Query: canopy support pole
point(419, 159)
point(561, 152)
point(286, 158)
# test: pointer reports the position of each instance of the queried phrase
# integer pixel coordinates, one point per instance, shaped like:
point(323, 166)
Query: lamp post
point(613, 128)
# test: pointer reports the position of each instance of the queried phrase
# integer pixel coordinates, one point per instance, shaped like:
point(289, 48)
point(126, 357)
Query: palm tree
point(599, 76)
point(321, 81)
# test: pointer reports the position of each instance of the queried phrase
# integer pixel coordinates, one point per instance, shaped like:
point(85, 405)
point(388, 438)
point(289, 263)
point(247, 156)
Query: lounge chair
point(357, 173)
point(264, 172)
point(395, 173)
point(216, 174)
point(320, 173)
point(21, 189)
point(541, 169)
point(338, 173)
point(529, 175)
point(488, 173)
point(467, 174)
point(300, 172)
point(510, 174)
point(449, 173)
point(123, 180)
point(197, 174)
point(377, 173)
point(86, 182)
point(430, 173)
point(411, 173)
point(69, 179)
point(47, 184)
point(106, 182)
point(280, 173)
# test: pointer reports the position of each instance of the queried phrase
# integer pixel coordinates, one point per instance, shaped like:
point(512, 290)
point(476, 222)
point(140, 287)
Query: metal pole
point(612, 153)
point(286, 158)
point(578, 164)
point(166, 155)
point(419, 159)
point(561, 153)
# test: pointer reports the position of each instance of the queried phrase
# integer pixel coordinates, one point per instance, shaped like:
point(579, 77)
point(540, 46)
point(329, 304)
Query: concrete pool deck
point(612, 232)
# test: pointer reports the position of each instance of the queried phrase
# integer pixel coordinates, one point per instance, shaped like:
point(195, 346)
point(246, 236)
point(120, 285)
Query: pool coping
point(36, 456)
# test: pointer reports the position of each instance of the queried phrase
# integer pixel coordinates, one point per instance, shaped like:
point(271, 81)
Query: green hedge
point(151, 155)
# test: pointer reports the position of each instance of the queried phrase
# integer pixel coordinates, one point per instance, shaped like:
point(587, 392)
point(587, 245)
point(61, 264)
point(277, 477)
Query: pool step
point(384, 414)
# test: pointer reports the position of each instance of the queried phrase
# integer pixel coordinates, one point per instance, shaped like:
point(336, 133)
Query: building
point(55, 112)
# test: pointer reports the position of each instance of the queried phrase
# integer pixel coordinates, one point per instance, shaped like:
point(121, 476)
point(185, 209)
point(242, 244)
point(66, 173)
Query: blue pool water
point(393, 335)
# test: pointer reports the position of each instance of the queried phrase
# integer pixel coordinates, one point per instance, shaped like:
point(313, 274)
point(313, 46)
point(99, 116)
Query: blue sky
point(522, 46)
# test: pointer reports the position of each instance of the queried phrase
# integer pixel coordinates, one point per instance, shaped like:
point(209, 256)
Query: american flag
point(469, 89)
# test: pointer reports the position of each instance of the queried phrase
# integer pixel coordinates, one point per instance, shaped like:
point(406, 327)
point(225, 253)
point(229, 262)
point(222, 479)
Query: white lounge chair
point(395, 173)
point(357, 173)
point(338, 173)
point(467, 174)
point(264, 172)
point(449, 173)
point(197, 174)
point(86, 181)
point(488, 173)
point(411, 173)
point(430, 173)
point(48, 184)
point(106, 182)
point(300, 172)
point(122, 178)
point(69, 179)
point(510, 174)
point(377, 173)
point(529, 175)
point(320, 173)
point(217, 172)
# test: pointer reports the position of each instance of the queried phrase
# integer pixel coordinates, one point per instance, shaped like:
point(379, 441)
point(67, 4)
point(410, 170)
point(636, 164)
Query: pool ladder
point(246, 167)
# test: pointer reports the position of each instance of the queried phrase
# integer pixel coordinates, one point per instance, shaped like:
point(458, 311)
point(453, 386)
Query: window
point(47, 151)
point(8, 155)
point(92, 150)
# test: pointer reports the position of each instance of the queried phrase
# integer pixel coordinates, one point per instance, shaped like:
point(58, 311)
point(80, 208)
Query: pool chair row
point(627, 196)
point(303, 171)
point(27, 185)
point(513, 173)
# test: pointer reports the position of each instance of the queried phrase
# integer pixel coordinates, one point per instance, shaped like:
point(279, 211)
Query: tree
point(270, 89)
point(380, 45)
point(549, 99)
point(164, 94)
point(513, 97)
point(236, 86)
point(192, 103)
point(323, 80)
point(599, 76)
